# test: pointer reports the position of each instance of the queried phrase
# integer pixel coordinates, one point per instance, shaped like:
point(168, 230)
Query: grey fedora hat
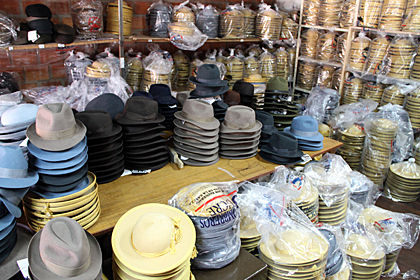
point(189, 134)
point(193, 128)
point(238, 155)
point(234, 153)
point(139, 110)
point(14, 172)
point(305, 128)
point(199, 113)
point(198, 157)
point(240, 118)
point(55, 128)
point(241, 136)
point(205, 91)
point(195, 143)
point(64, 250)
point(208, 75)
point(239, 146)
point(190, 149)
point(282, 144)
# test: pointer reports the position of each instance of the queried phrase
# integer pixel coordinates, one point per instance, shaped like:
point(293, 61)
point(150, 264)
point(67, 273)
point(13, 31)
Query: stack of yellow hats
point(329, 12)
point(134, 73)
point(324, 75)
point(400, 54)
point(353, 89)
point(310, 12)
point(182, 65)
point(153, 77)
point(412, 17)
point(308, 202)
point(369, 13)
point(268, 24)
point(235, 69)
point(153, 241)
point(353, 140)
point(295, 254)
point(412, 106)
point(306, 75)
point(377, 52)
point(341, 47)
point(333, 205)
point(231, 24)
point(327, 46)
point(394, 95)
point(183, 13)
point(358, 52)
point(250, 237)
point(252, 65)
point(348, 12)
point(336, 79)
point(249, 22)
point(374, 91)
point(283, 63)
point(98, 69)
point(81, 205)
point(415, 69)
point(309, 43)
point(268, 66)
point(112, 23)
point(392, 14)
point(289, 29)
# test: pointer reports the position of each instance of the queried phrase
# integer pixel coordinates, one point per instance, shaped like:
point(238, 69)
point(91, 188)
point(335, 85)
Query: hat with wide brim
point(112, 176)
point(15, 128)
point(40, 271)
point(190, 149)
point(238, 156)
point(247, 152)
point(318, 136)
point(198, 157)
point(18, 135)
point(140, 152)
point(181, 124)
point(63, 170)
point(280, 160)
point(204, 139)
point(142, 136)
point(210, 92)
point(39, 163)
point(61, 180)
point(137, 168)
point(61, 188)
point(147, 162)
point(147, 156)
point(105, 164)
point(239, 146)
point(241, 136)
point(305, 128)
point(226, 130)
point(285, 154)
point(193, 162)
point(208, 75)
point(57, 155)
point(107, 102)
point(139, 129)
point(195, 144)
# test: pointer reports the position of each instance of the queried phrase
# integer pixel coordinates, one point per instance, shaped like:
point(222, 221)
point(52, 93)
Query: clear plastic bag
point(207, 20)
point(353, 139)
point(306, 75)
point(399, 58)
point(186, 36)
point(329, 13)
point(268, 65)
point(323, 76)
point(289, 30)
point(195, 63)
point(320, 103)
point(348, 12)
point(76, 64)
point(373, 91)
point(392, 14)
point(158, 17)
point(326, 46)
point(87, 17)
point(256, 48)
point(252, 65)
point(7, 29)
point(369, 13)
point(234, 68)
point(268, 23)
point(412, 107)
point(309, 43)
point(341, 47)
point(415, 74)
point(310, 12)
point(283, 63)
point(9, 82)
point(412, 17)
point(363, 190)
point(249, 23)
point(359, 52)
point(157, 68)
point(376, 54)
point(213, 210)
point(352, 90)
point(182, 64)
point(231, 24)
point(135, 72)
point(394, 94)
point(183, 13)
point(336, 79)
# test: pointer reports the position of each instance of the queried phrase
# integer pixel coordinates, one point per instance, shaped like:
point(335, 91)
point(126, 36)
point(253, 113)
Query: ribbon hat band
point(303, 133)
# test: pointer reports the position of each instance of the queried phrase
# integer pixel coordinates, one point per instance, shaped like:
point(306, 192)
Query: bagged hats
point(166, 102)
point(197, 132)
point(241, 126)
point(153, 241)
point(63, 250)
point(305, 129)
point(39, 19)
point(282, 148)
point(102, 135)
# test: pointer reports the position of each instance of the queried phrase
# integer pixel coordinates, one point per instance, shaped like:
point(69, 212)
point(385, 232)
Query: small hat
point(305, 128)
point(277, 84)
point(139, 110)
point(55, 128)
point(232, 98)
point(38, 10)
point(240, 118)
point(208, 75)
point(19, 115)
point(283, 145)
point(107, 102)
point(193, 128)
point(98, 124)
point(63, 250)
point(64, 29)
point(199, 113)
point(206, 91)
point(162, 94)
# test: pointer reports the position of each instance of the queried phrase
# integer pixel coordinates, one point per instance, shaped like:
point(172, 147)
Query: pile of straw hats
point(144, 147)
point(353, 140)
point(239, 133)
point(308, 201)
point(400, 54)
point(250, 237)
point(153, 241)
point(374, 91)
point(353, 89)
point(197, 133)
point(112, 23)
point(394, 95)
point(134, 73)
point(412, 106)
point(333, 205)
point(98, 69)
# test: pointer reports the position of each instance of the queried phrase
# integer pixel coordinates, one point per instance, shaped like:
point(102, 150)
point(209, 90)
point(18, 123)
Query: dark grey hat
point(107, 102)
point(38, 10)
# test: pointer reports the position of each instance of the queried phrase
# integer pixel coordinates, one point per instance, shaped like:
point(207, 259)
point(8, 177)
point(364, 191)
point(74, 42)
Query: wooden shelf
point(332, 28)
point(148, 39)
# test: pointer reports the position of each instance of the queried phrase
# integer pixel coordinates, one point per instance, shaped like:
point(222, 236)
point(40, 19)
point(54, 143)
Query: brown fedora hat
point(140, 110)
point(194, 156)
point(199, 113)
point(240, 118)
point(55, 128)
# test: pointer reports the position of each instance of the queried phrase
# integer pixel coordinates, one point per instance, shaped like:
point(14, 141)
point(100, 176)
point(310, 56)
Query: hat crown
point(244, 88)
point(162, 93)
point(141, 108)
point(296, 241)
point(197, 109)
point(11, 157)
point(282, 140)
point(64, 247)
point(21, 113)
point(55, 117)
point(208, 72)
point(240, 117)
point(277, 84)
point(96, 121)
point(265, 118)
point(304, 124)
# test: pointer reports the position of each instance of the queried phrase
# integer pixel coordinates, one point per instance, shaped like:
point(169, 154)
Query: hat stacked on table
point(14, 122)
point(268, 127)
point(239, 133)
point(144, 147)
point(197, 133)
point(64, 250)
point(282, 148)
point(246, 92)
point(166, 102)
point(58, 152)
point(108, 102)
point(105, 145)
point(39, 19)
point(305, 129)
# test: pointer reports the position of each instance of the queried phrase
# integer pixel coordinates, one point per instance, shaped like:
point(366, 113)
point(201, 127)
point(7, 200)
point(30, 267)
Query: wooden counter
point(159, 186)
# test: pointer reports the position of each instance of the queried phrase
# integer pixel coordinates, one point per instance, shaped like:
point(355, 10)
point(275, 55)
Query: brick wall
point(44, 67)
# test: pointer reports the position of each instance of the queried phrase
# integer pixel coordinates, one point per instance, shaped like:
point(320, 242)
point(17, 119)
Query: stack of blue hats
point(15, 180)
point(166, 102)
point(305, 129)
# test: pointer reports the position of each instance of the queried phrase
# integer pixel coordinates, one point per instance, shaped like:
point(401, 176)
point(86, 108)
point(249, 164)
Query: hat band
point(208, 81)
point(137, 117)
point(64, 271)
point(303, 133)
point(13, 173)
point(56, 135)
point(237, 127)
point(277, 150)
point(196, 118)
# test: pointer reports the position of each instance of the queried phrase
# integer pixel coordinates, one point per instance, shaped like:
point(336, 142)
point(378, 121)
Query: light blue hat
point(44, 164)
point(305, 128)
point(59, 155)
point(19, 114)
point(63, 170)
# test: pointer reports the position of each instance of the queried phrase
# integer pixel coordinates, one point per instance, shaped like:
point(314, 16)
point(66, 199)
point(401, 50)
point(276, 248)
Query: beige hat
point(240, 118)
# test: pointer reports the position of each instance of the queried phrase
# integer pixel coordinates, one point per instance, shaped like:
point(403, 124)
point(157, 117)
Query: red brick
point(58, 71)
point(58, 7)
point(25, 57)
point(10, 7)
point(141, 7)
point(47, 56)
point(30, 2)
point(28, 85)
point(138, 23)
point(67, 20)
point(16, 69)
point(36, 73)
point(5, 58)
point(55, 19)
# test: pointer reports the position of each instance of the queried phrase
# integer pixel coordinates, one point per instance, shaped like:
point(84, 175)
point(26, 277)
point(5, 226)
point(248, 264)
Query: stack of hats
point(134, 73)
point(63, 33)
point(208, 82)
point(98, 69)
point(239, 133)
point(307, 201)
point(63, 250)
point(400, 54)
point(335, 258)
point(268, 127)
point(282, 148)
point(352, 90)
point(14, 121)
point(220, 108)
point(277, 103)
point(394, 95)
point(39, 19)
point(333, 203)
point(108, 102)
point(153, 241)
point(218, 242)
point(304, 250)
point(144, 147)
point(182, 65)
point(305, 129)
point(246, 91)
point(374, 91)
point(197, 133)
point(250, 237)
point(353, 140)
point(105, 145)
point(166, 102)
point(112, 18)
point(412, 106)
point(158, 17)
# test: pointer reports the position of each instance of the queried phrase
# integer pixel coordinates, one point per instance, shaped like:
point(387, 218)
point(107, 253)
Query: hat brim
point(40, 271)
point(57, 156)
point(14, 183)
point(142, 137)
point(195, 94)
point(202, 132)
point(112, 176)
point(141, 152)
point(231, 136)
point(108, 148)
point(290, 154)
point(114, 131)
point(224, 129)
point(120, 119)
point(39, 163)
point(219, 84)
point(62, 180)
point(286, 161)
point(203, 139)
point(56, 145)
point(195, 144)
point(19, 135)
point(193, 162)
point(204, 125)
point(142, 144)
point(62, 188)
point(63, 170)
point(198, 157)
point(52, 195)
point(198, 151)
point(104, 172)
point(147, 162)
point(309, 148)
point(239, 156)
point(134, 168)
point(234, 153)
point(106, 164)
point(239, 146)
point(16, 127)
point(316, 138)
point(151, 155)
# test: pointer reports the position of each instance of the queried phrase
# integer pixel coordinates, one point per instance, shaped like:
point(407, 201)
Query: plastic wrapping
point(310, 12)
point(369, 13)
point(394, 94)
point(341, 47)
point(359, 52)
point(306, 75)
point(399, 58)
point(186, 36)
point(345, 116)
point(392, 14)
point(252, 65)
point(416, 149)
point(292, 54)
point(412, 16)
point(323, 76)
point(348, 13)
point(183, 13)
point(7, 29)
point(373, 91)
point(412, 106)
point(289, 30)
point(329, 13)
point(321, 103)
point(9, 82)
point(327, 46)
point(249, 21)
point(268, 23)
point(352, 91)
point(182, 64)
point(283, 63)
point(158, 17)
point(363, 190)
point(195, 63)
point(309, 43)
point(87, 17)
point(353, 139)
point(256, 48)
point(207, 20)
point(231, 24)
point(135, 72)
point(213, 210)
point(415, 70)
point(376, 54)
point(234, 68)
point(157, 68)
point(336, 79)
point(268, 65)
point(76, 64)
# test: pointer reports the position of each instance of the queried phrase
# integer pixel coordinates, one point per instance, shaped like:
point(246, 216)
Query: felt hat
point(19, 115)
point(38, 10)
point(98, 124)
point(267, 121)
point(39, 163)
point(246, 90)
point(107, 102)
point(43, 39)
point(139, 110)
point(55, 128)
point(232, 98)
point(42, 26)
point(282, 144)
point(182, 96)
point(188, 134)
point(61, 28)
point(240, 118)
point(56, 156)
point(206, 91)
point(63, 250)
point(62, 38)
point(162, 94)
point(278, 85)
point(63, 180)
point(199, 113)
point(21, 39)
point(142, 93)
point(305, 128)
point(14, 171)
point(208, 75)
point(129, 130)
point(193, 128)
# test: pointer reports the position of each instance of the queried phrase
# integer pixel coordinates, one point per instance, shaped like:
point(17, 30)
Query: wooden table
point(159, 186)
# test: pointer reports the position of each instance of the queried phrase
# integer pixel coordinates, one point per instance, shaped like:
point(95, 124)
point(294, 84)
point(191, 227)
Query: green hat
point(277, 84)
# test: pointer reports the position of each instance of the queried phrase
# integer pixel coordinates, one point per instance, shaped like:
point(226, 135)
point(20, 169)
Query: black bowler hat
point(208, 75)
point(162, 94)
point(267, 121)
point(38, 10)
point(42, 26)
point(98, 124)
point(282, 148)
point(63, 39)
point(107, 102)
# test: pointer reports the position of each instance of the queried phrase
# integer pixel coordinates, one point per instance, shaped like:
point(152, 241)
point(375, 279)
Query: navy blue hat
point(107, 102)
point(142, 93)
point(162, 94)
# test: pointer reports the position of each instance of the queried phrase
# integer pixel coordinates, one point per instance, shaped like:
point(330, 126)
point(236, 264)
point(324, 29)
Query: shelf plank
point(395, 32)
point(320, 62)
point(325, 28)
point(148, 39)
